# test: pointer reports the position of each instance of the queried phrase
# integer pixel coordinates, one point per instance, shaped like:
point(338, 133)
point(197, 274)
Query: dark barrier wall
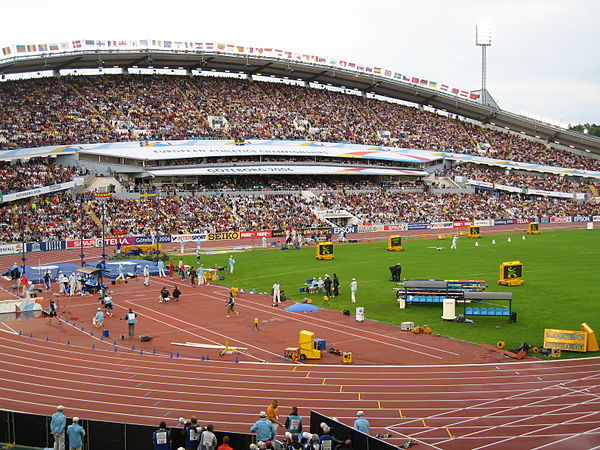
point(33, 430)
point(342, 432)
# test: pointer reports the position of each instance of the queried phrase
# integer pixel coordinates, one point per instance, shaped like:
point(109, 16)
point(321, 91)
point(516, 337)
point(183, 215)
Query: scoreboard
point(575, 341)
point(395, 243)
point(511, 273)
point(325, 250)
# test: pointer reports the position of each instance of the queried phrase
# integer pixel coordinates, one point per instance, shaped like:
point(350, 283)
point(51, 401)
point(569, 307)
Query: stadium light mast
point(483, 38)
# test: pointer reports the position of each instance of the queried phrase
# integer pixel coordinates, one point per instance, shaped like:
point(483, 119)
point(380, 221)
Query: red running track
point(518, 405)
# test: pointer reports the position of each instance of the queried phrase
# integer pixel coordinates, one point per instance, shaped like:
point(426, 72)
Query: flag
point(360, 68)
point(288, 55)
point(414, 80)
point(43, 47)
point(397, 75)
point(423, 82)
point(444, 87)
point(209, 46)
point(53, 47)
point(230, 48)
point(464, 94)
point(101, 43)
point(405, 78)
point(432, 84)
point(240, 48)
point(343, 63)
point(6, 50)
point(455, 91)
point(64, 45)
point(321, 59)
point(167, 44)
point(143, 43)
point(102, 194)
point(369, 69)
point(473, 96)
point(377, 70)
point(388, 73)
point(351, 65)
point(198, 46)
point(31, 48)
point(21, 48)
point(156, 43)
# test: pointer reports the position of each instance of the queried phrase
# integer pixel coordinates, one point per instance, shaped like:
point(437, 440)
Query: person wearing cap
point(98, 319)
point(58, 422)
point(293, 423)
point(265, 430)
point(76, 434)
point(362, 424)
point(161, 438)
point(353, 289)
point(326, 440)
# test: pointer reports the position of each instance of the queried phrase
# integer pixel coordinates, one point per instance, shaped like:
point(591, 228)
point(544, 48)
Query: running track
point(520, 405)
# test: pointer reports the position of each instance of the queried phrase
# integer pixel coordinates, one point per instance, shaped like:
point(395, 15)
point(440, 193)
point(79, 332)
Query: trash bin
point(449, 309)
point(105, 333)
point(360, 314)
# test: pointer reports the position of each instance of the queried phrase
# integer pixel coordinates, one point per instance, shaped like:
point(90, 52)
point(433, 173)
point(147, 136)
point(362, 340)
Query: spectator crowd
point(107, 108)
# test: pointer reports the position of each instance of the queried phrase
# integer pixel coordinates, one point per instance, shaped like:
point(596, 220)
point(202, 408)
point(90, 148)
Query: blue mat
point(302, 307)
point(130, 267)
point(35, 274)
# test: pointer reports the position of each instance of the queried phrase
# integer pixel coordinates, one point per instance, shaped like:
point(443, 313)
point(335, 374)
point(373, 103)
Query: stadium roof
point(385, 83)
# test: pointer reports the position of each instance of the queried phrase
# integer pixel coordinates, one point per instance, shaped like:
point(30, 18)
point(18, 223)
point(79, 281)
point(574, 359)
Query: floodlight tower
point(483, 38)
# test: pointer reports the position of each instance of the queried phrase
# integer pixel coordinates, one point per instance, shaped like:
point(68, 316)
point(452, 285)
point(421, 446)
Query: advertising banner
point(419, 226)
point(440, 225)
point(226, 236)
point(255, 234)
point(395, 227)
point(9, 249)
point(503, 221)
point(560, 219)
point(484, 222)
point(345, 229)
point(463, 223)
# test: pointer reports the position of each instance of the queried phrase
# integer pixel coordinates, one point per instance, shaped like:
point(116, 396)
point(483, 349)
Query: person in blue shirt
point(161, 268)
point(161, 438)
point(58, 423)
point(265, 431)
point(362, 424)
point(98, 320)
point(231, 264)
point(76, 434)
point(294, 422)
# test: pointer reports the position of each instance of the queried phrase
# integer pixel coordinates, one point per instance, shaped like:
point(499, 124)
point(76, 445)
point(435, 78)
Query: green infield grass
point(561, 273)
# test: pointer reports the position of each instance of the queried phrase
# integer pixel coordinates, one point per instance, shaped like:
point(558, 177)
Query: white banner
point(9, 249)
point(37, 191)
point(522, 190)
point(484, 222)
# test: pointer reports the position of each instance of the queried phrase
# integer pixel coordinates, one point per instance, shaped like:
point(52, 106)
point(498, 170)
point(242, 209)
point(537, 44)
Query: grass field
point(561, 273)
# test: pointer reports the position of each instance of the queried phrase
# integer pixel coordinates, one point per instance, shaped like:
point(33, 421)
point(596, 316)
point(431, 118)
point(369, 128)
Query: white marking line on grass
point(504, 410)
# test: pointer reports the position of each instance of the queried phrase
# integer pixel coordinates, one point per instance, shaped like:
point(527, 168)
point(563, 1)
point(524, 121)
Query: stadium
point(209, 152)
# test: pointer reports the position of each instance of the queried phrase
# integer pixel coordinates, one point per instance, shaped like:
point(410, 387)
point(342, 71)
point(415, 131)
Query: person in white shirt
point(276, 294)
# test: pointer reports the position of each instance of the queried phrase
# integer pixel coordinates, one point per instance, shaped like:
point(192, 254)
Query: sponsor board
point(418, 226)
point(463, 223)
point(439, 225)
point(187, 237)
point(47, 246)
point(484, 223)
point(395, 227)
point(368, 228)
point(503, 221)
point(596, 218)
point(8, 249)
point(255, 234)
point(582, 219)
point(523, 220)
point(560, 219)
point(309, 231)
point(225, 236)
point(346, 229)
point(544, 219)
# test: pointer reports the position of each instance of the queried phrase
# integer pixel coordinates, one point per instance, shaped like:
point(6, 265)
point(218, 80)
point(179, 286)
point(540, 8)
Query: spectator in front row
point(225, 444)
point(76, 434)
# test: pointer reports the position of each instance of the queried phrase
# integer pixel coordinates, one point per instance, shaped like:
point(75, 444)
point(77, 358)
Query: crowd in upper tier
point(529, 180)
point(105, 108)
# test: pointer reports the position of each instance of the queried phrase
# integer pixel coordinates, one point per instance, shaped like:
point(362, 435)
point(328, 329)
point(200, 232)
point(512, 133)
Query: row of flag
point(87, 44)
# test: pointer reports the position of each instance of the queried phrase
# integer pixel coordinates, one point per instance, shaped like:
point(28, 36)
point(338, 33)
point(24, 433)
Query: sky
point(542, 61)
